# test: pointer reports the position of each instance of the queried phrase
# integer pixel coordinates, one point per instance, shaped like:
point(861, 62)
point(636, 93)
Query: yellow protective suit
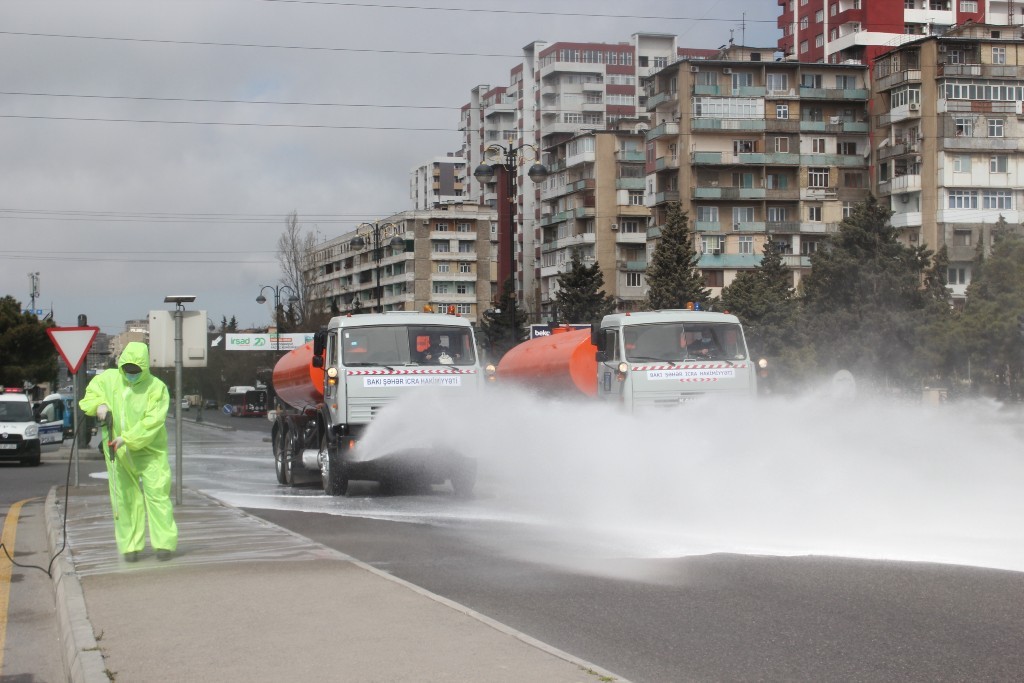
point(140, 411)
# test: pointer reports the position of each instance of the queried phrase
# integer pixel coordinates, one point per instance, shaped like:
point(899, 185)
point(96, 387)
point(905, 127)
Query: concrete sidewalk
point(245, 600)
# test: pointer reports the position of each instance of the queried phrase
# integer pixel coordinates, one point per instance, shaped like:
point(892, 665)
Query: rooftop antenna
point(743, 28)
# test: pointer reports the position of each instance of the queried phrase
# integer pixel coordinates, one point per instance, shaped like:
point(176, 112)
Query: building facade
point(592, 203)
point(948, 129)
point(441, 181)
point(555, 92)
point(756, 150)
point(447, 262)
point(838, 31)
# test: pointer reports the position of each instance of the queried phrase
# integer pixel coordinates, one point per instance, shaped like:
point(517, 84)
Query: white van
point(19, 431)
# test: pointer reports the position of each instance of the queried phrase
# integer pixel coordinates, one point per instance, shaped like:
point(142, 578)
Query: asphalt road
point(647, 616)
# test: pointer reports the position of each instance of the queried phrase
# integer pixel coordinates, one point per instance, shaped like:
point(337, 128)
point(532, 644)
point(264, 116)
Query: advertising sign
point(267, 342)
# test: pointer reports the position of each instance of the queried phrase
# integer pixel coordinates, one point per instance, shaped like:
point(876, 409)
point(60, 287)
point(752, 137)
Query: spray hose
point(108, 422)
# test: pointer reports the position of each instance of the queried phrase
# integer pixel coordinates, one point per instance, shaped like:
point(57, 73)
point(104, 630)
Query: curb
point(80, 653)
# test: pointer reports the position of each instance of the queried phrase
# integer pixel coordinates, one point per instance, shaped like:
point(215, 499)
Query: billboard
point(285, 341)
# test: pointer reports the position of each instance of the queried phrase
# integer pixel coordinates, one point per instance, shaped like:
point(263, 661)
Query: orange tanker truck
point(640, 360)
point(338, 383)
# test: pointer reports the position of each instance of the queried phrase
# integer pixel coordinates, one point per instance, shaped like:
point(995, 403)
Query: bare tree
point(295, 253)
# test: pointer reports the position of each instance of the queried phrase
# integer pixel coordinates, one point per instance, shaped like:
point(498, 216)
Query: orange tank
point(564, 362)
point(296, 381)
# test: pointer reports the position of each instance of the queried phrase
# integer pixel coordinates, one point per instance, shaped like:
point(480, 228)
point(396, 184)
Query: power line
point(95, 119)
point(262, 46)
point(512, 11)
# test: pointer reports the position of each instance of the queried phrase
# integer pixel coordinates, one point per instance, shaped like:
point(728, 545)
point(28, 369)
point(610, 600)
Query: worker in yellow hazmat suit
point(138, 403)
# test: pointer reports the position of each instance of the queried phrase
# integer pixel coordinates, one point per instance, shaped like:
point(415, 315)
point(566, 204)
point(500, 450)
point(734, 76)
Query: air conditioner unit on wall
point(615, 226)
point(727, 71)
point(694, 69)
point(914, 106)
point(942, 48)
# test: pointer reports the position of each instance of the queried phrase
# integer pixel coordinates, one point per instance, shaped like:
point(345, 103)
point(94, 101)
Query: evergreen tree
point(581, 297)
point(989, 328)
point(497, 334)
point(673, 278)
point(26, 353)
point(866, 302)
point(766, 303)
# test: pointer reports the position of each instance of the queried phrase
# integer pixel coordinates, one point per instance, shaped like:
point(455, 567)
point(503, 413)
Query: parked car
point(185, 405)
point(210, 403)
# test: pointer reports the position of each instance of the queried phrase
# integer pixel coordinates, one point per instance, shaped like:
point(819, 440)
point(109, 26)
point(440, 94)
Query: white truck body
point(370, 361)
point(660, 359)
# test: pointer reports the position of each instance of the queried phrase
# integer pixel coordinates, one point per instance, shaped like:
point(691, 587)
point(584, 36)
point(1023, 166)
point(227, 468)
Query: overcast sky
point(154, 147)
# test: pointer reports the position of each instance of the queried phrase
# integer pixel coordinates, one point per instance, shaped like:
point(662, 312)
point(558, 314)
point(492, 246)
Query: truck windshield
point(678, 342)
point(407, 345)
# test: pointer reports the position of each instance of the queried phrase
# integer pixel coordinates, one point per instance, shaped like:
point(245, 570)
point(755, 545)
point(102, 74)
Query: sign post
point(73, 344)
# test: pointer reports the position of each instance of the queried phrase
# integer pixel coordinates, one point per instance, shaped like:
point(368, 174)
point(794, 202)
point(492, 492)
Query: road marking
point(7, 539)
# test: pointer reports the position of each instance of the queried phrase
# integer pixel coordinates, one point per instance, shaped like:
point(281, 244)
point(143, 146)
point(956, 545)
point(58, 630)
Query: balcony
point(980, 144)
point(712, 192)
point(662, 164)
point(631, 237)
point(833, 93)
point(982, 70)
point(839, 160)
point(899, 78)
point(707, 123)
point(631, 266)
point(669, 128)
point(631, 155)
point(782, 227)
point(629, 183)
point(659, 98)
point(713, 90)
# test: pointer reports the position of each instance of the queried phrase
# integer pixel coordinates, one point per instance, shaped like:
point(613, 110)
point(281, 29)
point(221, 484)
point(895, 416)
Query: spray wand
point(108, 422)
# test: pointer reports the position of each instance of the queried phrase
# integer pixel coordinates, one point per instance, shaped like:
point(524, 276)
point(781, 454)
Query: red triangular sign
point(73, 344)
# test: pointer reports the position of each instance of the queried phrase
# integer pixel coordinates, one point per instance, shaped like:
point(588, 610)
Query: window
point(996, 199)
point(854, 179)
point(997, 163)
point(777, 82)
point(819, 40)
point(465, 267)
point(964, 126)
point(819, 16)
point(808, 247)
point(464, 309)
point(466, 247)
point(441, 227)
point(962, 238)
point(848, 209)
point(636, 198)
point(630, 225)
point(441, 287)
point(707, 214)
point(818, 146)
point(962, 163)
point(998, 55)
point(909, 4)
point(810, 80)
point(803, 46)
point(443, 267)
point(968, 5)
point(817, 177)
point(955, 57)
point(995, 128)
point(742, 146)
point(710, 244)
point(462, 288)
point(742, 214)
point(804, 22)
point(782, 145)
point(634, 279)
point(963, 199)
point(776, 181)
point(776, 214)
point(746, 244)
point(440, 246)
point(782, 111)
point(814, 214)
point(463, 227)
point(744, 180)
point(742, 79)
point(847, 148)
point(956, 276)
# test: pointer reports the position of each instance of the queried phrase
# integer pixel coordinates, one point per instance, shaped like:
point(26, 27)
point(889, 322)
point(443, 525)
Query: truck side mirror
point(319, 342)
point(595, 335)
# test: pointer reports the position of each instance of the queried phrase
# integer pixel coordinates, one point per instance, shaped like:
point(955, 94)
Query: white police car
point(19, 431)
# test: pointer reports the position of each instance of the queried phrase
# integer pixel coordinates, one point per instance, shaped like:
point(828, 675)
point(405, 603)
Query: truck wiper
point(653, 358)
point(369, 365)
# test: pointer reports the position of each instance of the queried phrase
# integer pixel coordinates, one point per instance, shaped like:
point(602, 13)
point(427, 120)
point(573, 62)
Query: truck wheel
point(288, 454)
point(333, 474)
point(464, 478)
point(280, 466)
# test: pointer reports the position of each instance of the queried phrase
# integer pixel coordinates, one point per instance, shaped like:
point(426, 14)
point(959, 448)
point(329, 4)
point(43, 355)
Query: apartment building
point(555, 92)
point(440, 181)
point(755, 150)
point(948, 130)
point(447, 261)
point(593, 203)
point(837, 31)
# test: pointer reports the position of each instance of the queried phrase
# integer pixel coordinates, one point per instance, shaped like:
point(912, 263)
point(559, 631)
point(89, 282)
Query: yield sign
point(72, 343)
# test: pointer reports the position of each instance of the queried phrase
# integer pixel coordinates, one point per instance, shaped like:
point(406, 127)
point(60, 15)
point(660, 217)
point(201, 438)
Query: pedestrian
point(135, 449)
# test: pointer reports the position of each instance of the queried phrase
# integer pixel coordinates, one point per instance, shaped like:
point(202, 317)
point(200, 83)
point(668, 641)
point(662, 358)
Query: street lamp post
point(508, 158)
point(278, 290)
point(376, 230)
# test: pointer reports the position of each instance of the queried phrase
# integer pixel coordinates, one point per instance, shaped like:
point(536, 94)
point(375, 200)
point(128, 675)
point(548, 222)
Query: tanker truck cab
point(359, 365)
point(671, 357)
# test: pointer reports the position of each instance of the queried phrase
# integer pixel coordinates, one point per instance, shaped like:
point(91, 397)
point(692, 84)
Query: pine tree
point(673, 278)
point(767, 305)
point(866, 302)
point(581, 297)
point(497, 335)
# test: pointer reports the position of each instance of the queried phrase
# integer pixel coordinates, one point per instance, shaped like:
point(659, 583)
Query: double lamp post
point(508, 158)
point(278, 290)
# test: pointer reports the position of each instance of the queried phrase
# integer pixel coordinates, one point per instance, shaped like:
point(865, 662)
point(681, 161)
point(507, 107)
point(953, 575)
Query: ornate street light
point(508, 158)
point(375, 231)
point(278, 290)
